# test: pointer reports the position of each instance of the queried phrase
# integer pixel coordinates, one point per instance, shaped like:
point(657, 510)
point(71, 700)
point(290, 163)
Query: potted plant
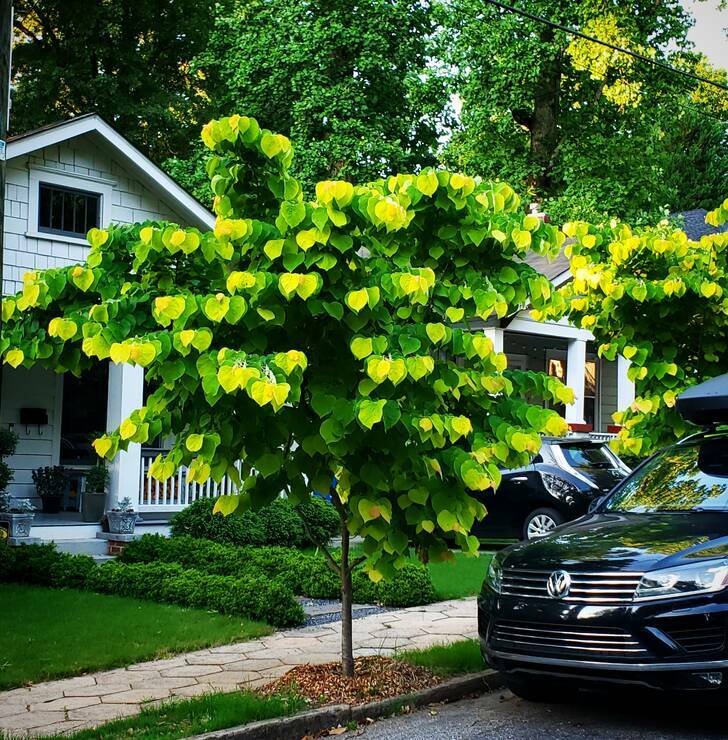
point(122, 517)
point(16, 515)
point(94, 495)
point(50, 482)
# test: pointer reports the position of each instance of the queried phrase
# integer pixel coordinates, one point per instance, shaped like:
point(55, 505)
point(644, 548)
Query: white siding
point(131, 202)
point(607, 393)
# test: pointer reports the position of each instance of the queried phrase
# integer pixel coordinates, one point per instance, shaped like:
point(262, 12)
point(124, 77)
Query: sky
point(709, 32)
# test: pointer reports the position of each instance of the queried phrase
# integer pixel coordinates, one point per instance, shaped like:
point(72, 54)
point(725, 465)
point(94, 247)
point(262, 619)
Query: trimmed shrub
point(72, 571)
point(306, 575)
point(278, 524)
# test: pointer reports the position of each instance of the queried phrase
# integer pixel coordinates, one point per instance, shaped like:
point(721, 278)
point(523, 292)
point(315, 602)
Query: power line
point(614, 47)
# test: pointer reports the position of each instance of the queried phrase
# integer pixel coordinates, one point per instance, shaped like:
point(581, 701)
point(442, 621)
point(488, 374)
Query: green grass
point(50, 633)
point(447, 660)
point(190, 717)
point(460, 577)
point(454, 579)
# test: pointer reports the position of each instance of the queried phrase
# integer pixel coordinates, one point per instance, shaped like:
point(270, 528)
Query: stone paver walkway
point(87, 701)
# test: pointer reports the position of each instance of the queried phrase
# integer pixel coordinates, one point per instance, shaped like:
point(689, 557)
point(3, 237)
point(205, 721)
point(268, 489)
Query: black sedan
point(635, 593)
point(559, 485)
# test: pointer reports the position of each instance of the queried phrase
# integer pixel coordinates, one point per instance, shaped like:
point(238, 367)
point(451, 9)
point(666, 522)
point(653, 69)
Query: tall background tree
point(589, 130)
point(128, 61)
point(350, 83)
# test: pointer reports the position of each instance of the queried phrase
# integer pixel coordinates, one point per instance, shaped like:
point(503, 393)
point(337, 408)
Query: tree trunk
point(347, 650)
point(545, 119)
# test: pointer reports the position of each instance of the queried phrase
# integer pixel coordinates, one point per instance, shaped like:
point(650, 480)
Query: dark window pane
point(83, 417)
point(67, 211)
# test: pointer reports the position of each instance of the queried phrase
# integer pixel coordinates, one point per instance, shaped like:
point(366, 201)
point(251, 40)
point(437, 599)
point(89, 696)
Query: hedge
point(253, 596)
point(306, 575)
point(278, 524)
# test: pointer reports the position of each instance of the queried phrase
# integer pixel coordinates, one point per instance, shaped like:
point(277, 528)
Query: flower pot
point(92, 505)
point(18, 525)
point(121, 522)
point(52, 504)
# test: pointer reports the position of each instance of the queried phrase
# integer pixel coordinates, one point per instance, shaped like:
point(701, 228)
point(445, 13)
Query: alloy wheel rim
point(540, 525)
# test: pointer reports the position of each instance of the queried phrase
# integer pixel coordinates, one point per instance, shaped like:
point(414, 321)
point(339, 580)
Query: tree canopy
point(661, 301)
point(327, 338)
point(129, 62)
point(591, 131)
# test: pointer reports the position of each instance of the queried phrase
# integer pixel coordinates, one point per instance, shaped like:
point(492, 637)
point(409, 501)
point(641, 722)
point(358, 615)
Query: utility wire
point(614, 47)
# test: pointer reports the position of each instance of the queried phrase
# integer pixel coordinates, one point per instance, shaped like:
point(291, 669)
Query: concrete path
point(87, 701)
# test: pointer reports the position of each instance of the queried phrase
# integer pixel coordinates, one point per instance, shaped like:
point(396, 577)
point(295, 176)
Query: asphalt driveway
point(501, 715)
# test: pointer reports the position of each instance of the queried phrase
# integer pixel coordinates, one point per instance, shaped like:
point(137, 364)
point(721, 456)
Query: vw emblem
point(558, 584)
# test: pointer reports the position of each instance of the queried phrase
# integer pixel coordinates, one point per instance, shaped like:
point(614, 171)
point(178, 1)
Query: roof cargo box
point(706, 403)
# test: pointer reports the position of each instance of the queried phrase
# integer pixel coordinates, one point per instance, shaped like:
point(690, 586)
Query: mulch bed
point(375, 678)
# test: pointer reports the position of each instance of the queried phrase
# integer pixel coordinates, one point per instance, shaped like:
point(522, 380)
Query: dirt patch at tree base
point(375, 678)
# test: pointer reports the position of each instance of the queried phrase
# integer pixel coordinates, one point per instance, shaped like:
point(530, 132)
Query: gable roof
point(556, 270)
point(149, 173)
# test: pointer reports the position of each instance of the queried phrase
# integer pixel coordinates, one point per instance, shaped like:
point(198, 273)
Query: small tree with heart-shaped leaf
point(326, 345)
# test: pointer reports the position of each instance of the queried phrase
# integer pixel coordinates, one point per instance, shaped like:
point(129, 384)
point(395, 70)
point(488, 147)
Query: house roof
point(695, 225)
point(92, 124)
point(556, 270)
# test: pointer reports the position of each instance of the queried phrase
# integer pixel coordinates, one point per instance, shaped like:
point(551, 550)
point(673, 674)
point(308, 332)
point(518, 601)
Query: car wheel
point(540, 522)
point(535, 689)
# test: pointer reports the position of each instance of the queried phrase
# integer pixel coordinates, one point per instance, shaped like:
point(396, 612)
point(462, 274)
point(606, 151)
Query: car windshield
point(691, 477)
point(587, 456)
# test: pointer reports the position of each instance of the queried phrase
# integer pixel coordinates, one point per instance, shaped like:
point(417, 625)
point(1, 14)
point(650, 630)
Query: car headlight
point(684, 580)
point(494, 574)
point(559, 488)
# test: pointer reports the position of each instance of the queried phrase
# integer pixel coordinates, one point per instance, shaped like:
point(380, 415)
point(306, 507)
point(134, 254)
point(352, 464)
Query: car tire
point(535, 689)
point(540, 522)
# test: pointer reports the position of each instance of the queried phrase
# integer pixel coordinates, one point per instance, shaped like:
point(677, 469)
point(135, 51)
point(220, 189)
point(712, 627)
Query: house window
point(67, 211)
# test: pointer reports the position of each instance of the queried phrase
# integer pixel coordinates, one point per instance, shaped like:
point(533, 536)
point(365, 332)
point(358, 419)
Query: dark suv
point(559, 485)
point(634, 593)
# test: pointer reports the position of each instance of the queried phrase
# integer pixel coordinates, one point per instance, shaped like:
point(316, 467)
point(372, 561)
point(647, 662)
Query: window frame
point(72, 182)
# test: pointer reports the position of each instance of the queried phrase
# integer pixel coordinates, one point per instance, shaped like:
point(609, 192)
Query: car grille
point(696, 637)
point(587, 587)
point(566, 640)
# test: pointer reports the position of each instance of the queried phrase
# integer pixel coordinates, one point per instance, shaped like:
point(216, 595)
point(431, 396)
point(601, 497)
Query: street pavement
point(503, 716)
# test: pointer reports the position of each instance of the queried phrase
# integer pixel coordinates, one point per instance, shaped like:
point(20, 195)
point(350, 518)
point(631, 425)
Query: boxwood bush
point(305, 575)
point(253, 594)
point(278, 524)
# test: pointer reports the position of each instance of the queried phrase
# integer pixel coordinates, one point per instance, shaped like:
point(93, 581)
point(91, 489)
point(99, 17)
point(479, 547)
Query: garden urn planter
point(17, 525)
point(93, 505)
point(121, 522)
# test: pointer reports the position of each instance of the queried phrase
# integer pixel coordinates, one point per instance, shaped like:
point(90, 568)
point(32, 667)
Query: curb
point(316, 720)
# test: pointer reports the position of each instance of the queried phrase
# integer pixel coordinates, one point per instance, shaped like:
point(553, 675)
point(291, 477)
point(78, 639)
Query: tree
point(659, 300)
point(129, 62)
point(590, 131)
point(350, 84)
point(326, 340)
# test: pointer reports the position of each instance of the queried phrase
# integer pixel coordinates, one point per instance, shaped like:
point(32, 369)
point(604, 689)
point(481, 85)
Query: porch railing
point(176, 492)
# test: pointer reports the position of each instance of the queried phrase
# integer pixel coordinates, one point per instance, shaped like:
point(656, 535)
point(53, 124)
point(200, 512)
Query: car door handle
point(519, 479)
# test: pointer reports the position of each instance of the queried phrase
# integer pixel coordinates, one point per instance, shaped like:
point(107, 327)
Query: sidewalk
point(87, 701)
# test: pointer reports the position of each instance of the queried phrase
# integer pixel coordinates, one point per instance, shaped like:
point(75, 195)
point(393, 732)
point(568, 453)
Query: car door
point(507, 507)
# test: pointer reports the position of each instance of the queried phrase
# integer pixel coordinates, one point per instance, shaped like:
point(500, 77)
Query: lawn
point(448, 660)
point(462, 576)
point(189, 717)
point(50, 633)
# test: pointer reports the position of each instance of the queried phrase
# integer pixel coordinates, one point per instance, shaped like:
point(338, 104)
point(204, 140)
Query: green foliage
point(97, 478)
point(591, 132)
point(8, 443)
point(276, 524)
point(448, 660)
point(250, 595)
point(303, 574)
point(129, 62)
point(258, 336)
point(50, 481)
point(351, 85)
point(659, 300)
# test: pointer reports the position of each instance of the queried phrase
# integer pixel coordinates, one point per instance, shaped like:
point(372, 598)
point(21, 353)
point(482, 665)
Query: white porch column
point(625, 386)
point(495, 334)
point(575, 369)
point(126, 393)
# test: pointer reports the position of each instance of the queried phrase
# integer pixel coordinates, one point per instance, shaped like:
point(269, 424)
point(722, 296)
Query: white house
point(64, 179)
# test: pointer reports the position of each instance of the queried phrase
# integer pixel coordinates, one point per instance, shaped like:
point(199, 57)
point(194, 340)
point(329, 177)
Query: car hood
point(617, 541)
